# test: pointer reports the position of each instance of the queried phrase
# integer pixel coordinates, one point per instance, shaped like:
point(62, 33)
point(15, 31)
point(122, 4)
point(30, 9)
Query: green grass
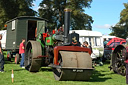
point(101, 76)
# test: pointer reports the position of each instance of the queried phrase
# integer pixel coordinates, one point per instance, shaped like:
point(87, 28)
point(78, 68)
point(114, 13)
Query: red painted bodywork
point(114, 42)
point(109, 48)
point(68, 48)
point(45, 35)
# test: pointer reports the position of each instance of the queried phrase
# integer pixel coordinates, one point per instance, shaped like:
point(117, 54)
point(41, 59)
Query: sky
point(105, 13)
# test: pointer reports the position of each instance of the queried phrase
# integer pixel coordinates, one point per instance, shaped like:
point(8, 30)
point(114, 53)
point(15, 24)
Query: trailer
point(19, 28)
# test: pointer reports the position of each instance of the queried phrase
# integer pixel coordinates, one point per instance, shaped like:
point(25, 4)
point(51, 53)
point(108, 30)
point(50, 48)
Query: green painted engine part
point(42, 45)
point(49, 41)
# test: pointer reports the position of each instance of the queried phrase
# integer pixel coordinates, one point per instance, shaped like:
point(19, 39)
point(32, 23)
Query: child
point(22, 52)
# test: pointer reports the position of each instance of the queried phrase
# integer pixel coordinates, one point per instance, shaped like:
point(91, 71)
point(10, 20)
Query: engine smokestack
point(66, 24)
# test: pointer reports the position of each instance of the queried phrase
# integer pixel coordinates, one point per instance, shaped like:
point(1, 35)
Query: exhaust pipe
point(66, 24)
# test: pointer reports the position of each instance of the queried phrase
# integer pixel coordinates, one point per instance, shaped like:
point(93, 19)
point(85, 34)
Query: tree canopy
point(10, 9)
point(53, 10)
point(121, 28)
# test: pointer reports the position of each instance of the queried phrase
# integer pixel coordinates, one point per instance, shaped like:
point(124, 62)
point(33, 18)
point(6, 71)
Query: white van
point(94, 39)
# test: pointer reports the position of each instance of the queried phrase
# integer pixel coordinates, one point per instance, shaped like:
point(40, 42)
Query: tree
point(124, 14)
point(121, 28)
point(13, 8)
point(119, 31)
point(53, 10)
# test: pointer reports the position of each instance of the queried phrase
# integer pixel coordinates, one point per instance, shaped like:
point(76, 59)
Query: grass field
point(101, 76)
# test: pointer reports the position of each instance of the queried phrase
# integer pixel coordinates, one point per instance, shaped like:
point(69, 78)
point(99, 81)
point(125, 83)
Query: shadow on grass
point(9, 62)
point(45, 69)
point(98, 77)
point(17, 70)
point(107, 62)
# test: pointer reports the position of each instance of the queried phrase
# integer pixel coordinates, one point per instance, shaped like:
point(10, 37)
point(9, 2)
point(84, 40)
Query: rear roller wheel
point(33, 50)
point(75, 66)
point(118, 58)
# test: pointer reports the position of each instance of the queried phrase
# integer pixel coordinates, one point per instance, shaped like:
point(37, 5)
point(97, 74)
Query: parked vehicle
point(108, 37)
point(111, 46)
point(18, 28)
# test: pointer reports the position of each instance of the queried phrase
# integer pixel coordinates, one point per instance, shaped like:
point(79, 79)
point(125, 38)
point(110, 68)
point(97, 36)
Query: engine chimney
point(66, 24)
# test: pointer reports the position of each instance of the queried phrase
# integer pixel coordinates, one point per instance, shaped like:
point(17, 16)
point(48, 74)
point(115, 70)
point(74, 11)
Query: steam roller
point(61, 51)
point(119, 56)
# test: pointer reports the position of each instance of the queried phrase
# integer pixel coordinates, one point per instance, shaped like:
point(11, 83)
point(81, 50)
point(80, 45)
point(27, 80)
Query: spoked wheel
point(118, 61)
point(122, 70)
point(17, 58)
point(73, 66)
point(33, 50)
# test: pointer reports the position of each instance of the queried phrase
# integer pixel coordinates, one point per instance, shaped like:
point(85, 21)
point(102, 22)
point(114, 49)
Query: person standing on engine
point(22, 52)
point(1, 57)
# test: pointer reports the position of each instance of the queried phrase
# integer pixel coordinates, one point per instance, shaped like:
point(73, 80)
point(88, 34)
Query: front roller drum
point(33, 50)
point(72, 74)
point(73, 66)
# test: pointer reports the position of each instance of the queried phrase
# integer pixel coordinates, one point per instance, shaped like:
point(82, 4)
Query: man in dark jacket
point(1, 57)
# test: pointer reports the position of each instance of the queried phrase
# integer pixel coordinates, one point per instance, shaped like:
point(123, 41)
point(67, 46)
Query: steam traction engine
point(61, 51)
point(119, 55)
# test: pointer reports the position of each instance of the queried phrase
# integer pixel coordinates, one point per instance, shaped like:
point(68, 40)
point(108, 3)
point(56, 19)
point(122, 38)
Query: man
point(105, 43)
point(1, 57)
point(85, 44)
point(22, 52)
